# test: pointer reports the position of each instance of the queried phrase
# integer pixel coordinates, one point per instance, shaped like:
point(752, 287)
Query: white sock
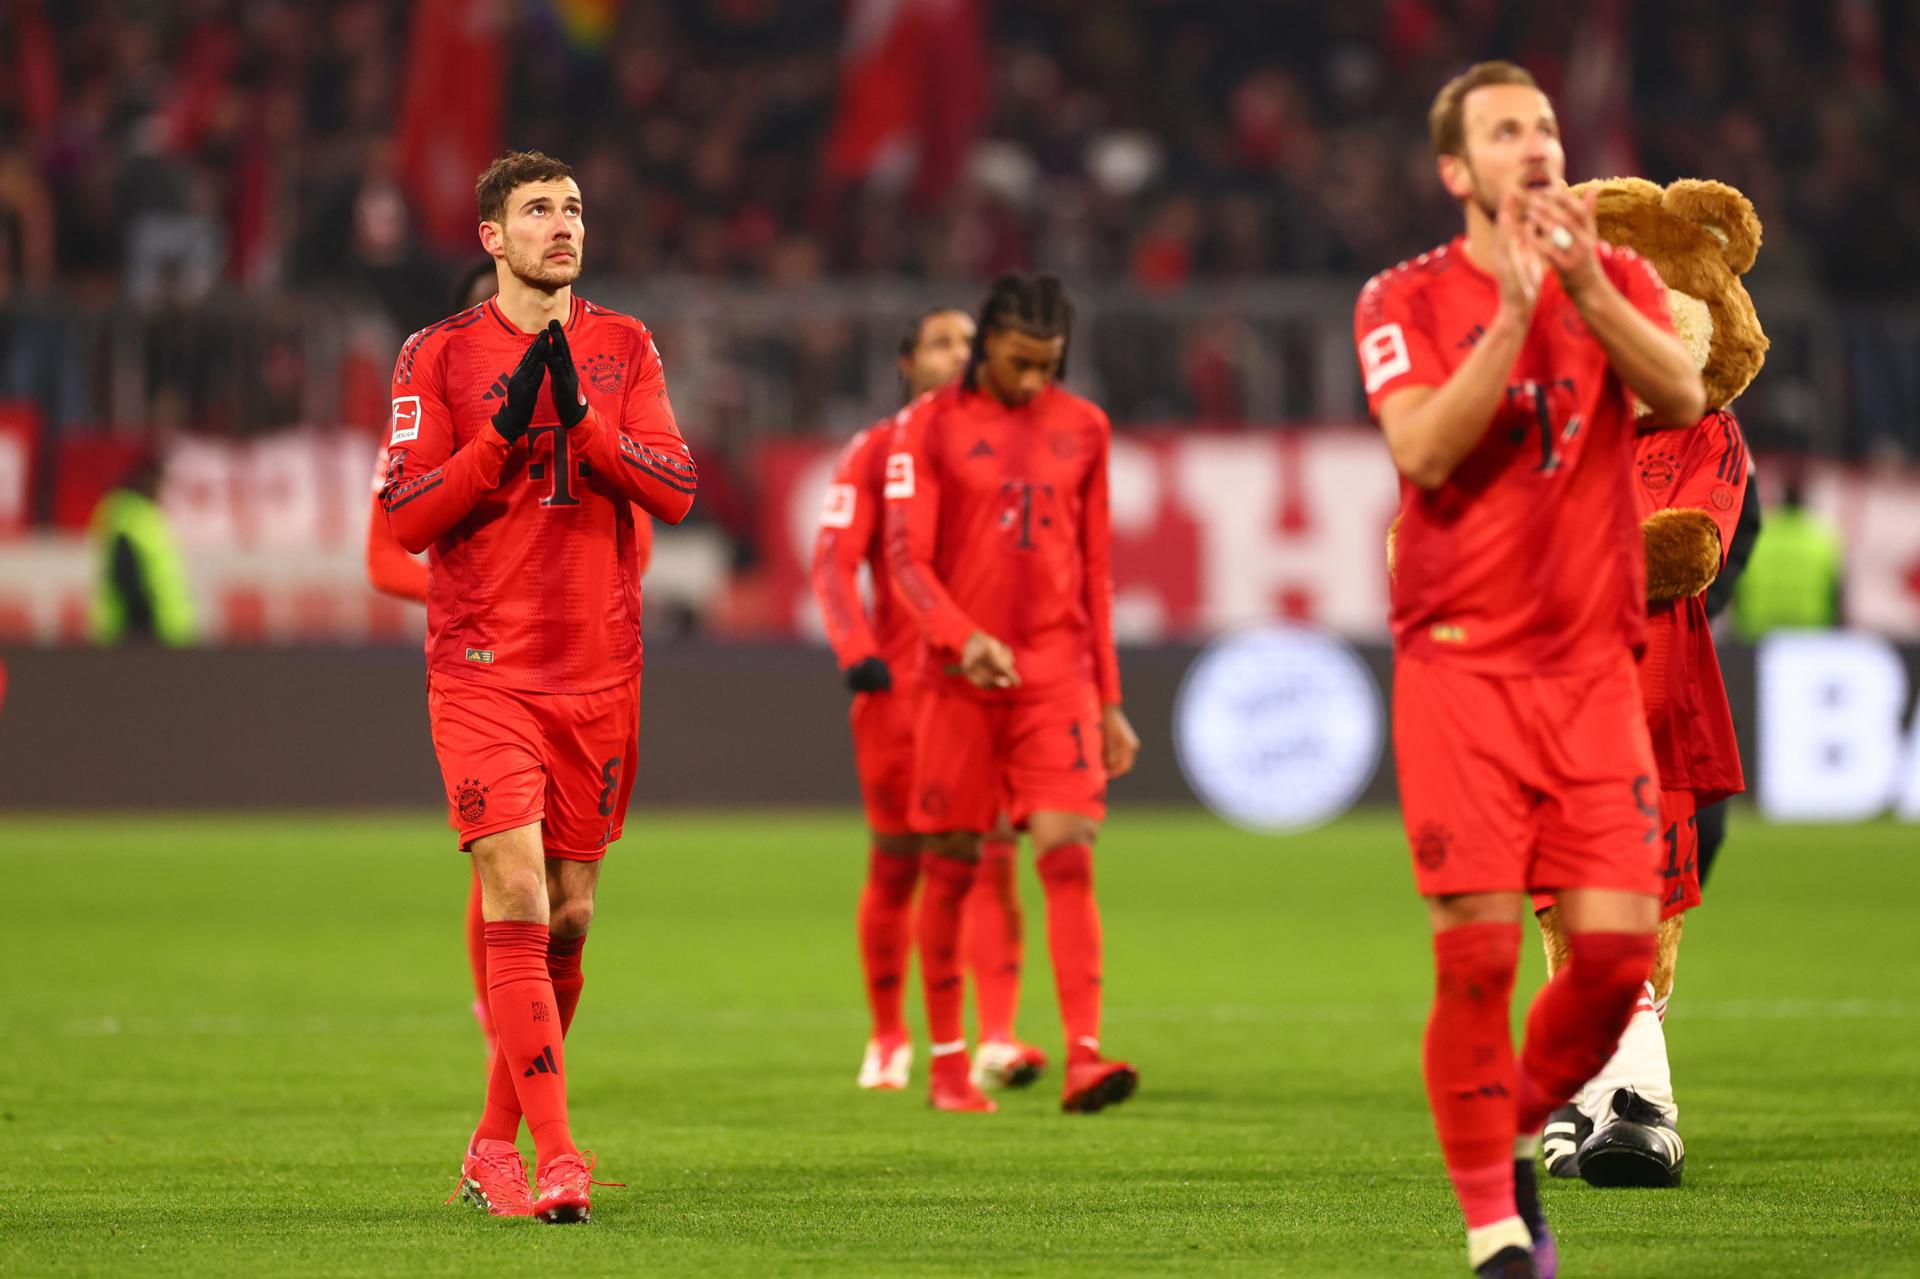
point(1639, 1063)
point(1526, 1148)
point(1487, 1241)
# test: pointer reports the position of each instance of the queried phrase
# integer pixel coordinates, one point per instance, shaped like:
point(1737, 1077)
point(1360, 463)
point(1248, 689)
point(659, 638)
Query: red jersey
point(389, 568)
point(1703, 469)
point(533, 579)
point(1527, 560)
point(997, 521)
point(850, 535)
point(392, 571)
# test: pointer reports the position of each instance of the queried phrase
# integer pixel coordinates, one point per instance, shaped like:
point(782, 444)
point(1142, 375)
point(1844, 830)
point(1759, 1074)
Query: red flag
point(36, 68)
point(450, 111)
point(912, 91)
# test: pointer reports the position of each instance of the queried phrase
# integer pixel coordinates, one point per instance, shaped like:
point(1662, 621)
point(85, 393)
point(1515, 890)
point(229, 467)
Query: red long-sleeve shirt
point(390, 569)
point(1702, 469)
point(532, 547)
point(851, 534)
point(997, 520)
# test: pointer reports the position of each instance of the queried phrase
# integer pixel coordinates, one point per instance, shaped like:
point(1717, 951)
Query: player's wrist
point(1588, 289)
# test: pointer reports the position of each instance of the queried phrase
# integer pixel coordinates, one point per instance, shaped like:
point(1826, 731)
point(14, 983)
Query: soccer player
point(877, 657)
point(998, 541)
point(1502, 368)
point(515, 462)
point(391, 571)
point(1622, 1127)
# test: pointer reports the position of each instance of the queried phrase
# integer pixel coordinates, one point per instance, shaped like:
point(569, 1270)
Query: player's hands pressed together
point(568, 402)
point(1119, 744)
point(523, 389)
point(1517, 266)
point(988, 663)
point(869, 675)
point(1565, 234)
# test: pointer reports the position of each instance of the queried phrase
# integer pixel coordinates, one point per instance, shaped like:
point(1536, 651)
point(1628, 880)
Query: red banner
point(1214, 530)
point(19, 439)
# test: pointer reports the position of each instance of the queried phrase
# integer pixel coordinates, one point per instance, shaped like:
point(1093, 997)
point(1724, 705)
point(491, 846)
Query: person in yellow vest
point(140, 592)
point(1793, 580)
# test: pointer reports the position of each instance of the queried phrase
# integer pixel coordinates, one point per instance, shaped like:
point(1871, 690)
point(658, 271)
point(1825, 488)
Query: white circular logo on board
point(1278, 728)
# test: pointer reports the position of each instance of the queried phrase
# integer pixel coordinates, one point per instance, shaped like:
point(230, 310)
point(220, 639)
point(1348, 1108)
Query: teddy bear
point(1701, 237)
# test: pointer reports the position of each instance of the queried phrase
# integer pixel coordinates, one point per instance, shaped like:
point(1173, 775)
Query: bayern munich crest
point(1278, 728)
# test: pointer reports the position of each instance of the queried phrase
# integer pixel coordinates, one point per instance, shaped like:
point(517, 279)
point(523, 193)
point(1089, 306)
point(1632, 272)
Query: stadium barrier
point(1826, 720)
point(1212, 530)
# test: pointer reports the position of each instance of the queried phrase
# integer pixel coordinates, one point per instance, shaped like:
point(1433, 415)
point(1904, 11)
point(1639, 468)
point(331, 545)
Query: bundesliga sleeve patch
point(838, 510)
point(899, 477)
point(1383, 356)
point(406, 419)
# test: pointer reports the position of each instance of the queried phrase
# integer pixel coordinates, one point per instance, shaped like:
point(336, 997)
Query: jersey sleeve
point(1713, 474)
point(390, 569)
point(847, 520)
point(1395, 340)
point(1642, 286)
point(643, 455)
point(1096, 535)
point(912, 493)
point(430, 486)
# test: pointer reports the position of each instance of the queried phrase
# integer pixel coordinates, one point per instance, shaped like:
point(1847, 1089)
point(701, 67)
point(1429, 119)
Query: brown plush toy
point(1701, 237)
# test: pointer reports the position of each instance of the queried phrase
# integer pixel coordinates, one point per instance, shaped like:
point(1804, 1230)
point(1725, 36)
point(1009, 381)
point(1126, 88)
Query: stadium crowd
point(170, 155)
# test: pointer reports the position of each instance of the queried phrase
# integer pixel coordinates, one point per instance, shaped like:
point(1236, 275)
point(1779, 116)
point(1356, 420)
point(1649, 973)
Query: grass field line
point(640, 1019)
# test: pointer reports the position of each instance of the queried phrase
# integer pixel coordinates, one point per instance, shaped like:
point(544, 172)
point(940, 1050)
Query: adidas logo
point(498, 391)
point(980, 449)
point(542, 1065)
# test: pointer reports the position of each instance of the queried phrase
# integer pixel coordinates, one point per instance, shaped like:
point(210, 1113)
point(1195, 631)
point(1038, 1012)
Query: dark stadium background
point(218, 220)
point(231, 977)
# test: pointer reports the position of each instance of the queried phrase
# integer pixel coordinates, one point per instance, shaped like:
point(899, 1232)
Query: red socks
point(1073, 939)
point(1577, 1018)
point(477, 940)
point(1468, 1061)
point(500, 1120)
point(884, 918)
point(994, 940)
point(948, 880)
point(527, 1021)
point(563, 968)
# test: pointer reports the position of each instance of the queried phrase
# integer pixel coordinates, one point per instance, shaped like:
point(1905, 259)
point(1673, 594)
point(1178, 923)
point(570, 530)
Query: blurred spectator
point(155, 153)
point(140, 588)
point(1792, 581)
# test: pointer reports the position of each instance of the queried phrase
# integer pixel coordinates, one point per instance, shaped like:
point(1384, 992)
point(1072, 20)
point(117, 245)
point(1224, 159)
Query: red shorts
point(565, 760)
point(1679, 856)
point(883, 754)
point(1027, 753)
point(1509, 783)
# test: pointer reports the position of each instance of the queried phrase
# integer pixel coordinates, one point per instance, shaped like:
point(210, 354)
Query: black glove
point(567, 400)
point(869, 675)
point(523, 389)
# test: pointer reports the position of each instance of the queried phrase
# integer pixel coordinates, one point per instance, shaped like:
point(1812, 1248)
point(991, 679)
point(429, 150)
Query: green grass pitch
point(240, 1046)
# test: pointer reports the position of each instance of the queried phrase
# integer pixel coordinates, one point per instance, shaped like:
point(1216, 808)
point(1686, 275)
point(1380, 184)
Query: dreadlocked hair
point(1036, 305)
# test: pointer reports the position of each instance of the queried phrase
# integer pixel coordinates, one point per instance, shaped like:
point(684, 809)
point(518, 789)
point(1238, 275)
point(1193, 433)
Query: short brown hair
point(514, 169)
point(1443, 117)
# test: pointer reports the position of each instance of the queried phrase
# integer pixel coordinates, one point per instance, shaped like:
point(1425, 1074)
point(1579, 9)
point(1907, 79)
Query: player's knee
point(516, 895)
point(1069, 866)
point(1476, 962)
point(897, 845)
point(1063, 830)
point(961, 845)
point(571, 918)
